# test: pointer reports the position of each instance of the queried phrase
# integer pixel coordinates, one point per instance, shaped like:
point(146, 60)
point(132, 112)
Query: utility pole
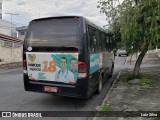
point(11, 14)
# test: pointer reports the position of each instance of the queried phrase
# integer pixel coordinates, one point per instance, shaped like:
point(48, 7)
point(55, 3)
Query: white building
point(7, 29)
point(10, 46)
point(21, 32)
point(0, 9)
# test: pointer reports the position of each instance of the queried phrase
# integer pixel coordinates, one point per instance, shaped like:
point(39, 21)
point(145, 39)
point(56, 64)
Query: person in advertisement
point(73, 68)
point(64, 75)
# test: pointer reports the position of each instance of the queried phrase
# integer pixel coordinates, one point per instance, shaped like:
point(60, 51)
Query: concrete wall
point(17, 54)
point(10, 55)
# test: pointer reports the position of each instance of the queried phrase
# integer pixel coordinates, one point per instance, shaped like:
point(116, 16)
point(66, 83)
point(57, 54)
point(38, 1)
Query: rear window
point(54, 32)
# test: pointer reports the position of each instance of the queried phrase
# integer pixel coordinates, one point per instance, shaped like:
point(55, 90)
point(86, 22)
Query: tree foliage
point(138, 22)
point(109, 8)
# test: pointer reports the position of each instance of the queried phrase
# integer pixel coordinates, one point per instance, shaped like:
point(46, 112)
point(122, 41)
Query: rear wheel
point(99, 89)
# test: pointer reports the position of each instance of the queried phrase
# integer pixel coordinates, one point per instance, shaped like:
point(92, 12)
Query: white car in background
point(121, 52)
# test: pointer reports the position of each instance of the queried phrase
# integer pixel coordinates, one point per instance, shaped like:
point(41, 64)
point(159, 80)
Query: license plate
point(50, 89)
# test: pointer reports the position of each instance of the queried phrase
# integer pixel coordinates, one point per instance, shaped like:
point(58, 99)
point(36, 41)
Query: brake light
point(71, 83)
point(82, 70)
point(24, 63)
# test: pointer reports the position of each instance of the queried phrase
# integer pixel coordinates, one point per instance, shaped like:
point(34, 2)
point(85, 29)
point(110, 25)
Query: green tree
point(139, 22)
point(111, 11)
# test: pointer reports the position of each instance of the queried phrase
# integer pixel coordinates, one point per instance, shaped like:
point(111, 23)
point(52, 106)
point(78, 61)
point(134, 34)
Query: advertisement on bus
point(59, 67)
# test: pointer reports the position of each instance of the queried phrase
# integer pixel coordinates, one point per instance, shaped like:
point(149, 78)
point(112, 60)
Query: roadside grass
point(105, 108)
point(143, 80)
point(131, 77)
point(157, 118)
point(146, 81)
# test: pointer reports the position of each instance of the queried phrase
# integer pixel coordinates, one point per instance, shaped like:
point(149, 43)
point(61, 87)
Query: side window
point(110, 42)
point(98, 41)
point(103, 42)
point(92, 40)
point(107, 45)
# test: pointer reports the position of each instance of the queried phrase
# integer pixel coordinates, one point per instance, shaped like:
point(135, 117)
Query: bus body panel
point(72, 91)
point(100, 64)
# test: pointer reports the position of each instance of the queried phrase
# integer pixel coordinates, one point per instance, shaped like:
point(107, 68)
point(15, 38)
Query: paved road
point(14, 98)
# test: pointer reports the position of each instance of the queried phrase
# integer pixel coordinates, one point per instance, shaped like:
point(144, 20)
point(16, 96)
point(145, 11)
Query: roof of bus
point(45, 18)
point(88, 21)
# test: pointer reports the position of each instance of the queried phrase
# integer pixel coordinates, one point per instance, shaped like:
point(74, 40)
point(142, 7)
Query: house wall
point(5, 28)
point(21, 32)
point(20, 37)
point(10, 54)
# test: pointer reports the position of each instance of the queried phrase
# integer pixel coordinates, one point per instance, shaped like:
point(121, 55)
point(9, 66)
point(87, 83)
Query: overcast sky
point(31, 9)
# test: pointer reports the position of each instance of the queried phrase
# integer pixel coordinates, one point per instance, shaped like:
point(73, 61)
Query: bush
point(105, 108)
point(143, 79)
point(131, 77)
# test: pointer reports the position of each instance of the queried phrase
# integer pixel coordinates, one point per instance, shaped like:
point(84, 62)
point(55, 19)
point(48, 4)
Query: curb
point(10, 66)
point(109, 92)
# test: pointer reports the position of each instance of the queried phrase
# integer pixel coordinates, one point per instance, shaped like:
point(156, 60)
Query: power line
point(11, 14)
point(37, 7)
point(6, 6)
point(5, 27)
point(29, 12)
point(43, 7)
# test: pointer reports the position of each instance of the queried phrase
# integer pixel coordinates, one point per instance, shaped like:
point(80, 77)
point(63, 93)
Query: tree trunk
point(138, 63)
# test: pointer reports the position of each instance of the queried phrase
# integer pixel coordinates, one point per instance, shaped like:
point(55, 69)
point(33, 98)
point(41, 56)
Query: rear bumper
point(122, 53)
point(79, 90)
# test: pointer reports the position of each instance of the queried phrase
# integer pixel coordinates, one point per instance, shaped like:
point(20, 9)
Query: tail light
point(24, 63)
point(24, 66)
point(82, 70)
point(71, 83)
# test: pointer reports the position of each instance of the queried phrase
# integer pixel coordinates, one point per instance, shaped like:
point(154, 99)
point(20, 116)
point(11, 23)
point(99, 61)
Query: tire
point(99, 89)
point(119, 55)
